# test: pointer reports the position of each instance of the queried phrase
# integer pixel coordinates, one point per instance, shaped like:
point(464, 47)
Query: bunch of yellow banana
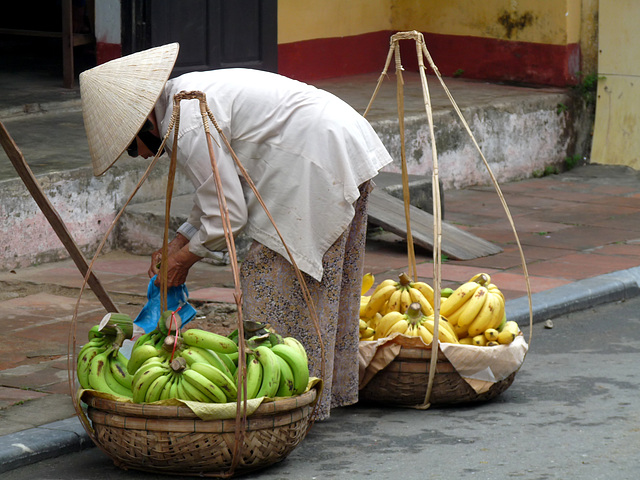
point(396, 296)
point(100, 364)
point(366, 331)
point(415, 324)
point(474, 307)
point(503, 335)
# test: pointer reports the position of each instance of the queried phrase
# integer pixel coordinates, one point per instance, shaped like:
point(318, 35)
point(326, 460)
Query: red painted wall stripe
point(477, 58)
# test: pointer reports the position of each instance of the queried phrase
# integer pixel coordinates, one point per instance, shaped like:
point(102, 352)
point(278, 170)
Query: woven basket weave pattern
point(168, 439)
point(404, 382)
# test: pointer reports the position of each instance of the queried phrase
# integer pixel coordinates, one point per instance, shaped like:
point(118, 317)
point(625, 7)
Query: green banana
point(254, 376)
point(217, 377)
point(113, 384)
point(206, 387)
point(144, 339)
point(156, 388)
point(270, 372)
point(118, 366)
point(298, 364)
point(190, 392)
point(97, 371)
point(287, 384)
point(202, 338)
point(181, 394)
point(202, 355)
point(294, 342)
point(85, 356)
point(227, 360)
point(94, 332)
point(143, 379)
point(173, 388)
point(139, 356)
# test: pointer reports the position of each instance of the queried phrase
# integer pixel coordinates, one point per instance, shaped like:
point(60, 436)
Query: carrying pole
point(52, 216)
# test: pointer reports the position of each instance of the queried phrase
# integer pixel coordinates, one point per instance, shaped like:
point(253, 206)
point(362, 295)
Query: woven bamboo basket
point(404, 382)
point(173, 440)
point(422, 377)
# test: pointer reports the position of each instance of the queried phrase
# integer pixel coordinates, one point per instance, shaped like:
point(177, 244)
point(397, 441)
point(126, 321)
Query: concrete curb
point(580, 295)
point(66, 436)
point(40, 443)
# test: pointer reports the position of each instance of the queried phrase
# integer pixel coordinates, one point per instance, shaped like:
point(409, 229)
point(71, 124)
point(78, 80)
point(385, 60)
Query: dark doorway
point(212, 33)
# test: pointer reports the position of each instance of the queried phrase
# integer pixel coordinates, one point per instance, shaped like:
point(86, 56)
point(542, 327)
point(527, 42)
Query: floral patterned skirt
point(272, 294)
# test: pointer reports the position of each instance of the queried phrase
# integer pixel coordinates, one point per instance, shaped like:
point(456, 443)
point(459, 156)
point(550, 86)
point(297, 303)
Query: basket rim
point(267, 408)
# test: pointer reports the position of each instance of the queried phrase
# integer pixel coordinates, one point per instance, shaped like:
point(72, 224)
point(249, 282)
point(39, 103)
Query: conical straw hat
point(117, 97)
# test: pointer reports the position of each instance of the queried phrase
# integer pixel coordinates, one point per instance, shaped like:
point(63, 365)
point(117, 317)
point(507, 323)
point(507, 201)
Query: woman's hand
point(173, 247)
point(178, 266)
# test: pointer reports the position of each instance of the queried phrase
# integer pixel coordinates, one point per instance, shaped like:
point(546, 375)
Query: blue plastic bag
point(177, 299)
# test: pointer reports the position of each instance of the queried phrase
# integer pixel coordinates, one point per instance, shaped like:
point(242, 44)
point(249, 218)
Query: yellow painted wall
point(554, 22)
point(616, 136)
point(300, 20)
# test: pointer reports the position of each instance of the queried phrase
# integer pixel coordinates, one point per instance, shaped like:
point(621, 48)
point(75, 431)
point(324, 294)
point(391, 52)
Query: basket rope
point(241, 415)
point(422, 53)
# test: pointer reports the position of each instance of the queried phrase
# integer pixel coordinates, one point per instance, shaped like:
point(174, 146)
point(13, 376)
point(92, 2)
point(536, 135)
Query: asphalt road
point(573, 412)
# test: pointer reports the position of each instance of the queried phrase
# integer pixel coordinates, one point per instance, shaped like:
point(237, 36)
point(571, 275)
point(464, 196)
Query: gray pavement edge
point(66, 436)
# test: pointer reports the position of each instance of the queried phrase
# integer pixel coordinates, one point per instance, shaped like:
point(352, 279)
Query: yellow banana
point(447, 326)
point(426, 335)
point(367, 334)
point(363, 325)
point(508, 333)
point(367, 282)
point(500, 316)
point(481, 278)
point(444, 335)
point(487, 316)
point(399, 327)
point(466, 341)
point(394, 301)
point(375, 321)
point(417, 296)
point(492, 343)
point(491, 334)
point(377, 300)
point(405, 300)
point(458, 298)
point(479, 340)
point(386, 322)
point(494, 289)
point(473, 307)
point(425, 289)
point(383, 284)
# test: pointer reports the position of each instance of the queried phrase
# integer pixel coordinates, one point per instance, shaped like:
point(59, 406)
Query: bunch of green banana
point(276, 369)
point(396, 296)
point(474, 307)
point(100, 365)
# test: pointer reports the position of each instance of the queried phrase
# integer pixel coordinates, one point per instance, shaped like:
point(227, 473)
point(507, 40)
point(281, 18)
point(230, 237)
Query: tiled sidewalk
point(572, 226)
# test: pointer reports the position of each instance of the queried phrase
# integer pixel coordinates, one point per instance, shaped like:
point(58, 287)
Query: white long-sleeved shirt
point(306, 150)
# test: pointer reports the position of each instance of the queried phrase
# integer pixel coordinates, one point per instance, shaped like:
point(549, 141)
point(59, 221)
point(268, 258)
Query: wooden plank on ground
point(387, 212)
